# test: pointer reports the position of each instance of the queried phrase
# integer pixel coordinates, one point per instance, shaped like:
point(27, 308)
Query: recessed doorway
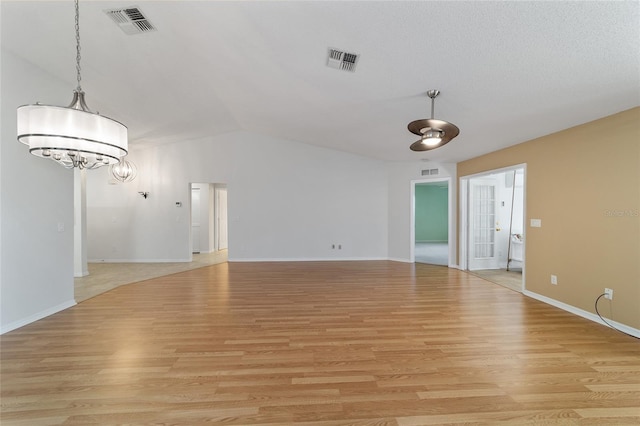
point(431, 228)
point(208, 217)
point(492, 225)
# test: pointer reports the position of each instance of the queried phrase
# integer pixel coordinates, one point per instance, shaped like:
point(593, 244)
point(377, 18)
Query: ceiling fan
point(434, 133)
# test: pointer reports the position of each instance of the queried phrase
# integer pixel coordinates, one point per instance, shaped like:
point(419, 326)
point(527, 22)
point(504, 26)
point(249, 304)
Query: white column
point(80, 266)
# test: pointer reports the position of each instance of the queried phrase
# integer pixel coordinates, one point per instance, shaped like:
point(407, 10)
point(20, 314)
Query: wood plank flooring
point(318, 343)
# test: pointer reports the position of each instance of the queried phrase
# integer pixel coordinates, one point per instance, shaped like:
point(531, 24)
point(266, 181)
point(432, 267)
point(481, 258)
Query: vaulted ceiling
point(507, 71)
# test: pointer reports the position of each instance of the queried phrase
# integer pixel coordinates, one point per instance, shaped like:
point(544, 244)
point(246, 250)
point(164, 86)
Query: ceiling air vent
point(342, 60)
point(131, 20)
point(429, 172)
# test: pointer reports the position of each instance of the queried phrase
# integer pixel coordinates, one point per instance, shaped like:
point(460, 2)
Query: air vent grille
point(134, 14)
point(429, 172)
point(341, 60)
point(131, 20)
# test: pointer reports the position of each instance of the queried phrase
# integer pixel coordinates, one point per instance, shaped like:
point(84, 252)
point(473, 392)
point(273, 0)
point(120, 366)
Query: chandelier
point(72, 136)
point(124, 171)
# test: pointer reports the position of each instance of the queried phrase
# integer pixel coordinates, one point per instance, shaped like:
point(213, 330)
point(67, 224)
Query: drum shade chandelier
point(72, 136)
point(434, 133)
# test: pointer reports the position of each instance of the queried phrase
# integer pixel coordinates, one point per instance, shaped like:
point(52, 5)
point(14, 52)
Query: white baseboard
point(582, 313)
point(139, 260)
point(399, 259)
point(328, 259)
point(37, 316)
point(81, 274)
point(306, 259)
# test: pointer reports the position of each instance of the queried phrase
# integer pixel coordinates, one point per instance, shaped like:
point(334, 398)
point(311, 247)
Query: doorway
point(431, 227)
point(492, 225)
point(208, 217)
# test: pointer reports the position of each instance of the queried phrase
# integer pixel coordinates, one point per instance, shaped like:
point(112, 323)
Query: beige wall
point(584, 183)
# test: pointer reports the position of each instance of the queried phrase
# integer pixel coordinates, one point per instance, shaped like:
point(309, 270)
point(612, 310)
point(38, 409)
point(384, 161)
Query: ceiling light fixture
point(124, 171)
point(434, 133)
point(73, 136)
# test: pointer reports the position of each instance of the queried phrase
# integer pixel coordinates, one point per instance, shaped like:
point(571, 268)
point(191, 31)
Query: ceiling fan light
point(433, 133)
point(432, 138)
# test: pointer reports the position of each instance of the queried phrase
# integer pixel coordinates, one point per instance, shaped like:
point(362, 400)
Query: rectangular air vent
point(131, 20)
point(341, 60)
point(429, 172)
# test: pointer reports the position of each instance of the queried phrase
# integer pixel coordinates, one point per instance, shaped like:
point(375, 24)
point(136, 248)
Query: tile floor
point(106, 276)
point(510, 279)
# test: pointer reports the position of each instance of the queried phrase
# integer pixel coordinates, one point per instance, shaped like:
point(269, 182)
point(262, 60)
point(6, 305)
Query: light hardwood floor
point(318, 343)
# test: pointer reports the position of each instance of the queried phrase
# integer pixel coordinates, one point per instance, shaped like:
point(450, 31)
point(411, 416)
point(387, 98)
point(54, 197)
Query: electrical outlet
point(608, 293)
point(554, 279)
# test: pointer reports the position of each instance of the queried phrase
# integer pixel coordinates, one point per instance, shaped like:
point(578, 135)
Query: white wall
point(400, 178)
point(36, 272)
point(286, 201)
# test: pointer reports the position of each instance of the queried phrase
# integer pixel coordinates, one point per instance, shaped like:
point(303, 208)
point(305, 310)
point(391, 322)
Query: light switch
point(536, 223)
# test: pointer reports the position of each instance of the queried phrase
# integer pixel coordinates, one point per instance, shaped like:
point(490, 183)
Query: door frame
point(450, 214)
point(463, 236)
point(193, 209)
point(212, 214)
point(217, 188)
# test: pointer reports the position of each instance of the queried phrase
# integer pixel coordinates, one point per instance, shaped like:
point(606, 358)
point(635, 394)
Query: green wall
point(432, 221)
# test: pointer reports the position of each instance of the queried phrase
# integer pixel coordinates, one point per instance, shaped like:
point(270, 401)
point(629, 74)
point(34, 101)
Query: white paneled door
point(482, 224)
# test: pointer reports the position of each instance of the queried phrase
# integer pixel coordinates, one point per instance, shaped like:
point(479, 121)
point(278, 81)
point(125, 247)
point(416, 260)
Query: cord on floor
point(605, 321)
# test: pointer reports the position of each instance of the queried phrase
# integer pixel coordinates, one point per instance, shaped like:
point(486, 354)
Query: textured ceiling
point(507, 71)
